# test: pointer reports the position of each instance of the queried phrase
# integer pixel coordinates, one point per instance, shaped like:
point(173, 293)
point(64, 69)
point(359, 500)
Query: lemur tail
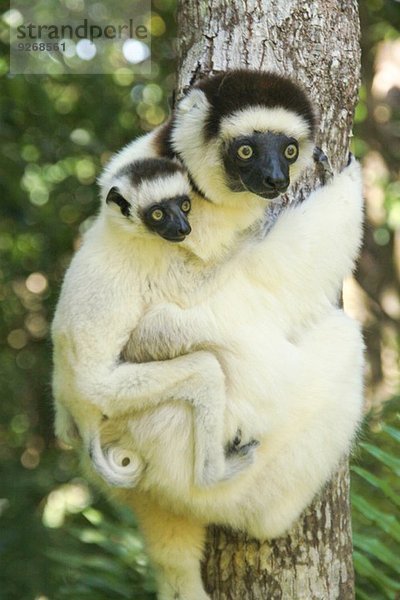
point(117, 466)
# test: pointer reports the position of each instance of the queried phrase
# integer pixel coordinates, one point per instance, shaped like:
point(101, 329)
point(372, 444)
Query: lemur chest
point(184, 281)
point(167, 330)
point(176, 318)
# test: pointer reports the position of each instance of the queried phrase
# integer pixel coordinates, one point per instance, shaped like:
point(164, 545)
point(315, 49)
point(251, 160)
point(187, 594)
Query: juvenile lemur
point(118, 273)
point(292, 360)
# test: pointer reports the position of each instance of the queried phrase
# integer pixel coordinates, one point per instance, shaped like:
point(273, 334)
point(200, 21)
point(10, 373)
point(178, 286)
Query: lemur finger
point(235, 449)
point(240, 461)
point(321, 159)
point(233, 445)
point(246, 448)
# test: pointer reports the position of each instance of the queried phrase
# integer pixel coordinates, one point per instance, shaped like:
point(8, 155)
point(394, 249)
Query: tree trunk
point(316, 43)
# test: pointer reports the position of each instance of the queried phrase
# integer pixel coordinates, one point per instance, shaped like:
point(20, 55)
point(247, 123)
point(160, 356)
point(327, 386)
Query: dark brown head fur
point(233, 90)
point(230, 91)
point(150, 168)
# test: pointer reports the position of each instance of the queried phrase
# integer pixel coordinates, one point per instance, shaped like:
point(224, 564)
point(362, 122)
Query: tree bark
point(316, 43)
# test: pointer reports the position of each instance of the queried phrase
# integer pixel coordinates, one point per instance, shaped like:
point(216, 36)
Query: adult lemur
point(292, 361)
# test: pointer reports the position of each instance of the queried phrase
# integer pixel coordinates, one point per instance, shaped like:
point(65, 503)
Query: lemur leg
point(119, 462)
point(65, 426)
point(329, 408)
point(204, 390)
point(175, 547)
point(119, 466)
point(196, 379)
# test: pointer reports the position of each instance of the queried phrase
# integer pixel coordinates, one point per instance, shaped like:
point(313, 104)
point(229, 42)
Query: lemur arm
point(128, 387)
point(118, 389)
point(313, 245)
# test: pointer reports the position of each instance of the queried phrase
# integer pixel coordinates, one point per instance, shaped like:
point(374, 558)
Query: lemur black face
point(169, 218)
point(260, 162)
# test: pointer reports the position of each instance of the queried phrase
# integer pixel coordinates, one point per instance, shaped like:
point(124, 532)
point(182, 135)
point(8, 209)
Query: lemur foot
point(71, 435)
point(322, 160)
point(239, 456)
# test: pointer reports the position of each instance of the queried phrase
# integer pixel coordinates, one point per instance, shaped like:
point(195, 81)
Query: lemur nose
point(185, 229)
point(277, 183)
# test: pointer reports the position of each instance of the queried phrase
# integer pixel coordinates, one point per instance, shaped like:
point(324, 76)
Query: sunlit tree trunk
point(317, 43)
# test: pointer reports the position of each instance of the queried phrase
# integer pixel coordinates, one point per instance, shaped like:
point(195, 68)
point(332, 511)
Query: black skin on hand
point(235, 447)
point(322, 160)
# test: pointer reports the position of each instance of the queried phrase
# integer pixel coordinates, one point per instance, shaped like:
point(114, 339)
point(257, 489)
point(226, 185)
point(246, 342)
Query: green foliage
point(376, 503)
point(110, 562)
point(70, 546)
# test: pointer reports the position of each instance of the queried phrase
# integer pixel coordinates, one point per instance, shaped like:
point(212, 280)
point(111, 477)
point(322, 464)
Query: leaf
point(392, 431)
point(94, 581)
point(381, 484)
point(377, 549)
point(388, 523)
point(364, 566)
point(85, 562)
point(360, 595)
point(387, 459)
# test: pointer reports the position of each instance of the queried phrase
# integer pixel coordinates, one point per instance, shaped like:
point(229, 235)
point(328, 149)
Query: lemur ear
point(195, 99)
point(114, 196)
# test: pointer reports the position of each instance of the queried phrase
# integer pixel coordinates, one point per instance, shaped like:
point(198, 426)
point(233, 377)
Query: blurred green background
point(58, 539)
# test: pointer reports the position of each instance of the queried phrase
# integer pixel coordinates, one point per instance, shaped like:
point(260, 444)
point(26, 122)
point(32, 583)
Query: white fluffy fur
point(163, 188)
point(143, 149)
point(259, 314)
point(258, 118)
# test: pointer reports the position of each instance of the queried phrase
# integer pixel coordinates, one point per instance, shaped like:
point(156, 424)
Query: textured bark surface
point(316, 43)
point(313, 561)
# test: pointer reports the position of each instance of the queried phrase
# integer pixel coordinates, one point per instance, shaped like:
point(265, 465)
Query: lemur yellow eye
point(245, 152)
point(291, 151)
point(157, 214)
point(185, 206)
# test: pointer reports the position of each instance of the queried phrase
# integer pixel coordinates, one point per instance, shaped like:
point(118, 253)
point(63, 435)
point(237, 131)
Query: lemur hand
point(323, 161)
point(239, 456)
